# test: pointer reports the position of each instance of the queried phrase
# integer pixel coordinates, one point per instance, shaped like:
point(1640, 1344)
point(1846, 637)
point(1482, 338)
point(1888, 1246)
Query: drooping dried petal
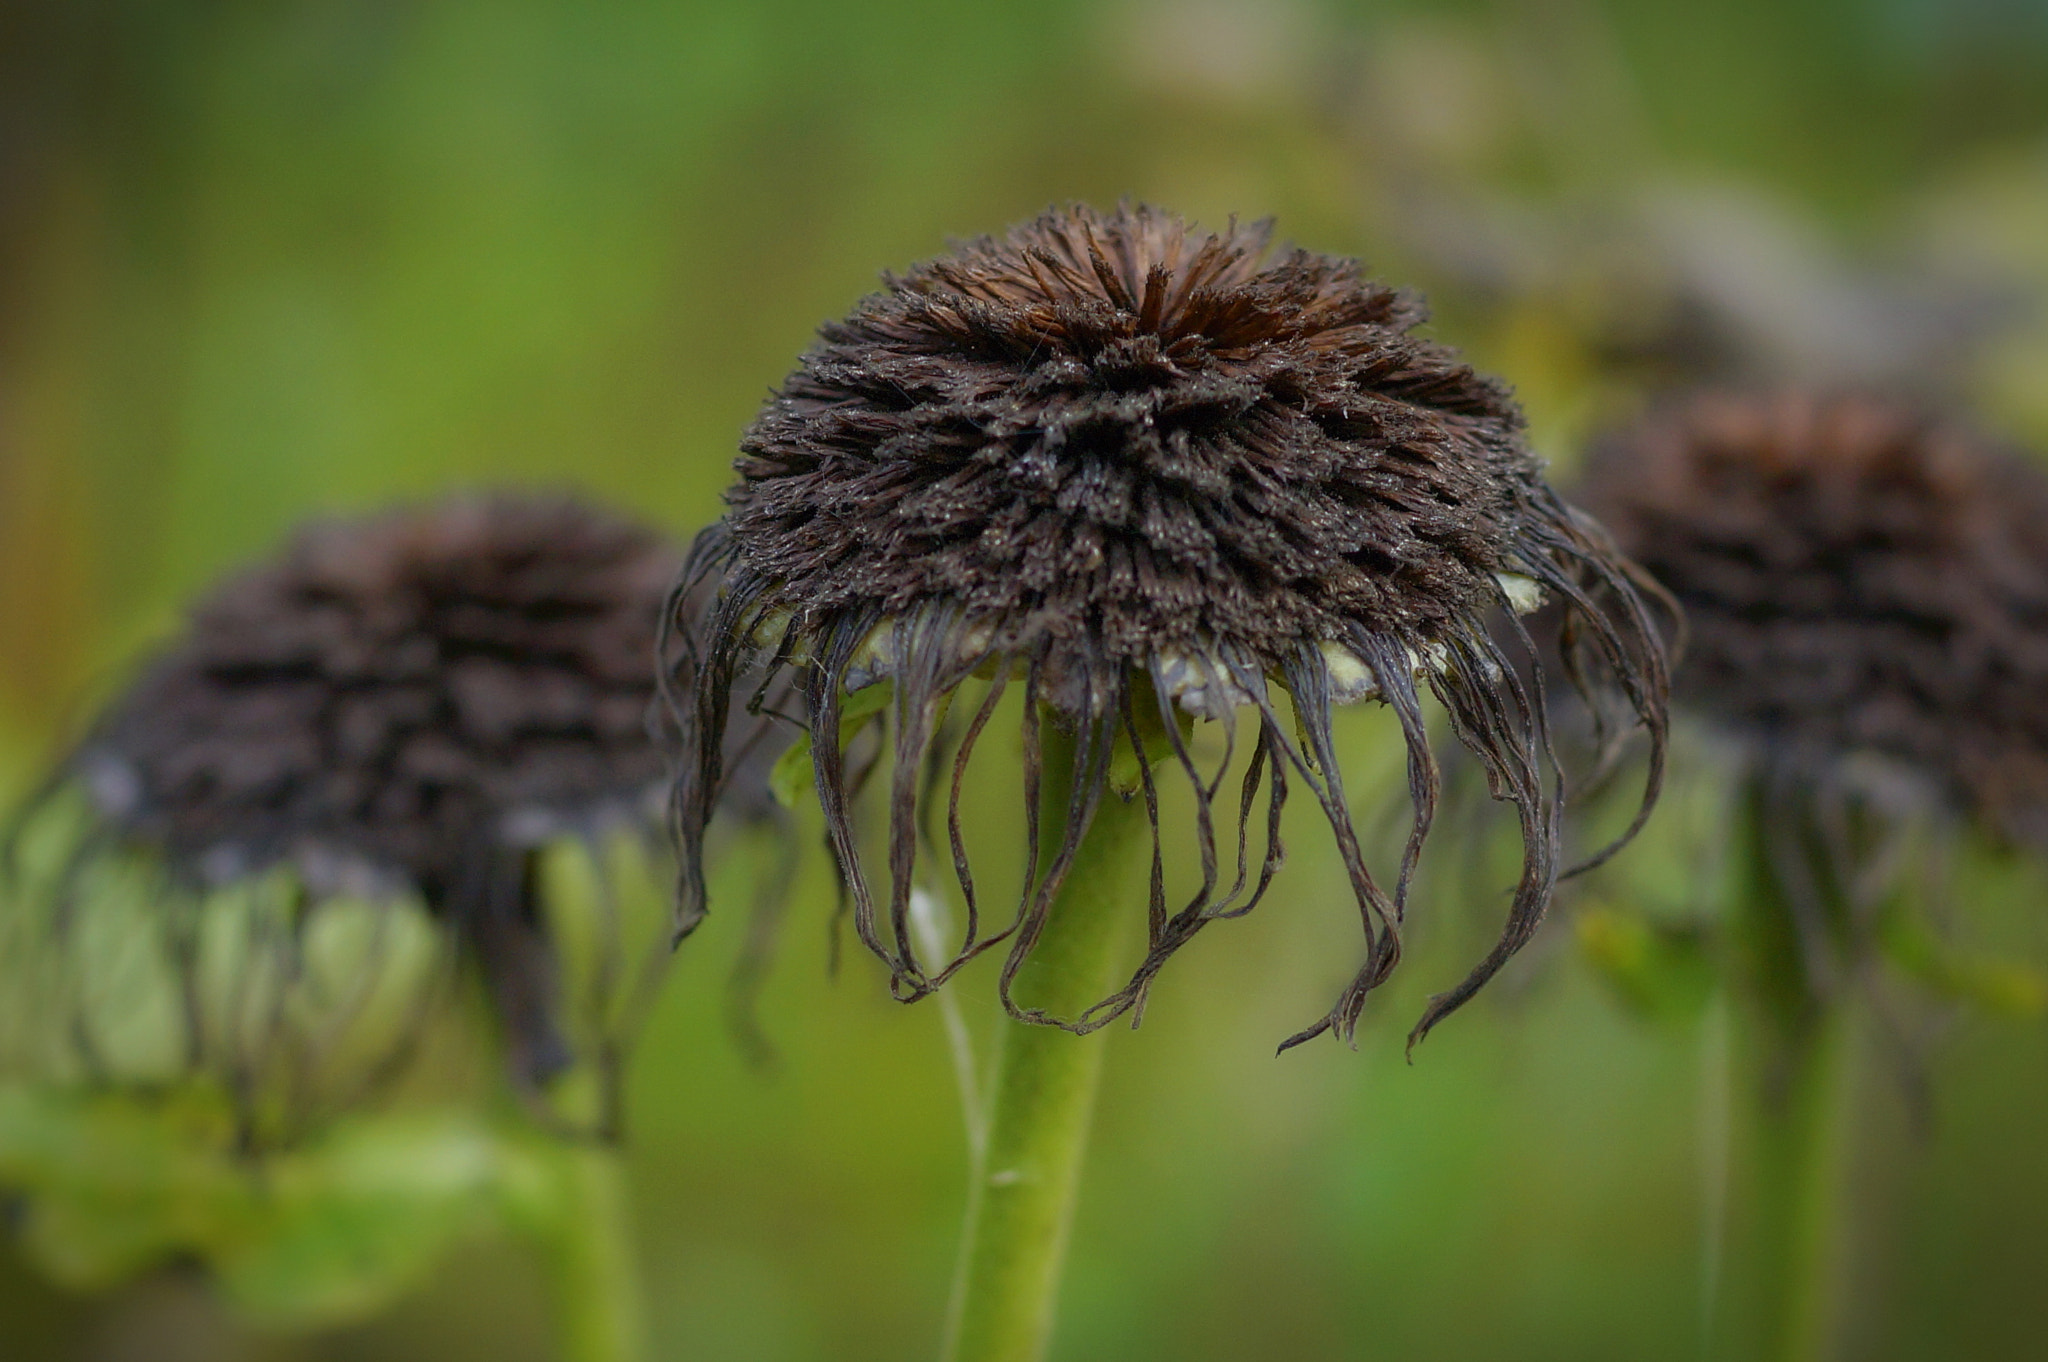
point(1148, 468)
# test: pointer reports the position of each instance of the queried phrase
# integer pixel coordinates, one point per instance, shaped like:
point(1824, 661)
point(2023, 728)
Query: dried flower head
point(1864, 586)
point(411, 705)
point(1859, 578)
point(1154, 473)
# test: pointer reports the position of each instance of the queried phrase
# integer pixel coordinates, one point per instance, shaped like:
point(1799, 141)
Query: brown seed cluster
point(393, 693)
point(1145, 467)
point(1116, 438)
point(412, 702)
point(1858, 577)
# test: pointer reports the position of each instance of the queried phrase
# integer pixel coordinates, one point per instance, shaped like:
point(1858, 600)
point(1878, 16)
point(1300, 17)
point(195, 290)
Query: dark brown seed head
point(1109, 437)
point(393, 695)
point(1147, 466)
point(1858, 577)
point(413, 703)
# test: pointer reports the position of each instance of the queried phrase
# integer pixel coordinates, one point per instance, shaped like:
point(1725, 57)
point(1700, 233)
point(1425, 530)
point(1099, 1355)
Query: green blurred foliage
point(262, 262)
point(318, 1236)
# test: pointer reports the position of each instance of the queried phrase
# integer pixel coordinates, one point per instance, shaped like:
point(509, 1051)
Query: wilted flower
point(1154, 474)
point(409, 707)
point(1865, 587)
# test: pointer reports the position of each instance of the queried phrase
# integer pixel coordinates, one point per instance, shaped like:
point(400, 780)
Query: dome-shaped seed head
point(413, 703)
point(1858, 575)
point(1116, 438)
point(1145, 465)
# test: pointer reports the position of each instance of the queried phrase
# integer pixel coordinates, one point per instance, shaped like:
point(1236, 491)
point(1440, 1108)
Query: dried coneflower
point(1144, 470)
point(1866, 592)
point(1148, 476)
point(418, 738)
point(408, 707)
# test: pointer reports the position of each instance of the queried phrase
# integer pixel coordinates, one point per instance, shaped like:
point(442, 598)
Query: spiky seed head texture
point(1858, 574)
point(411, 702)
point(392, 693)
point(1107, 435)
point(1115, 450)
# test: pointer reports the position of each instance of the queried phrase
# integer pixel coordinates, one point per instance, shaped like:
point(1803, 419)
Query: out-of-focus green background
point(260, 261)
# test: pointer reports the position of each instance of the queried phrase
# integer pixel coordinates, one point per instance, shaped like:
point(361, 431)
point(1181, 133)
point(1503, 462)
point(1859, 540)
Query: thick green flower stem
point(1798, 1089)
point(589, 1245)
point(1020, 1207)
point(597, 1279)
point(1801, 1157)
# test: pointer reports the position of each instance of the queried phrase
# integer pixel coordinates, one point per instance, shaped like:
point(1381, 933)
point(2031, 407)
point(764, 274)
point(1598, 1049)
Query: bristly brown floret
point(410, 703)
point(1147, 467)
point(394, 694)
point(1859, 577)
point(1103, 433)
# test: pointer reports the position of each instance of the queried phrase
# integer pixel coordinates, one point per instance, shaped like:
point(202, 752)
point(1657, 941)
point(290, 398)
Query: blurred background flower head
point(395, 716)
point(261, 263)
point(1864, 585)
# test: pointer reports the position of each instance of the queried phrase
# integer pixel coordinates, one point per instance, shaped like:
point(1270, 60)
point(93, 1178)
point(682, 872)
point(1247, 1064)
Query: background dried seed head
point(412, 703)
point(1858, 577)
point(392, 692)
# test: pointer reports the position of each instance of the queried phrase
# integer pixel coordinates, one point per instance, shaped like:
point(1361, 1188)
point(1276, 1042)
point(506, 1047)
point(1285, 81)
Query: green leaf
point(116, 1184)
point(794, 774)
point(352, 1224)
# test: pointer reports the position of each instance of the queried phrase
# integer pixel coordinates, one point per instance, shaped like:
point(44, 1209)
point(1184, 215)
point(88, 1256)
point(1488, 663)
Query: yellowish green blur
point(265, 262)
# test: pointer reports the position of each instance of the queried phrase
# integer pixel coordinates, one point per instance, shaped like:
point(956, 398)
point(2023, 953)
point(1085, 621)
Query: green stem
point(1802, 1157)
point(1798, 1045)
point(1020, 1207)
point(580, 1217)
point(596, 1271)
